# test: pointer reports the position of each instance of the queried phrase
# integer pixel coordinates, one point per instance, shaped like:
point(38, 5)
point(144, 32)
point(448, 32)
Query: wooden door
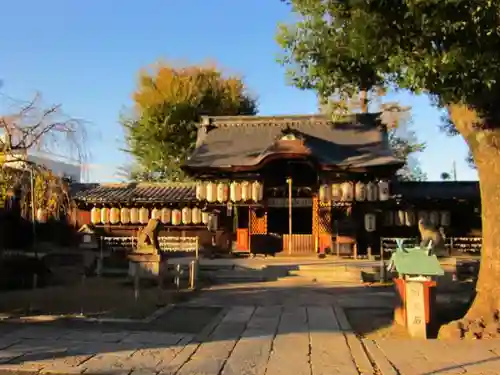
point(242, 239)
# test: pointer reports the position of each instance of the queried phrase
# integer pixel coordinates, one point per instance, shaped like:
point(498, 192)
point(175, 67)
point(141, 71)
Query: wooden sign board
point(283, 202)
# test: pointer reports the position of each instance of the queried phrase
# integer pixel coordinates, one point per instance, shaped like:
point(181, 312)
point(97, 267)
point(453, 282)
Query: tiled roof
point(440, 190)
point(161, 193)
point(246, 141)
point(137, 192)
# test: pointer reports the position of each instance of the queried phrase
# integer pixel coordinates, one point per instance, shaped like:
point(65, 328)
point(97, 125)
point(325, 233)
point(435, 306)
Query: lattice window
point(258, 225)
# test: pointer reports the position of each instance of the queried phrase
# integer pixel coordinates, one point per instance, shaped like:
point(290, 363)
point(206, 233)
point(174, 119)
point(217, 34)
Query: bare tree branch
point(33, 127)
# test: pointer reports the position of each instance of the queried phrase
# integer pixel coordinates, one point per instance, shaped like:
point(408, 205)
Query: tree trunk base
point(482, 321)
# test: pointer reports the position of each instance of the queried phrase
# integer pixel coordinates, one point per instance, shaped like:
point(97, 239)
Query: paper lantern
point(445, 218)
point(257, 191)
point(186, 216)
point(125, 215)
point(423, 216)
point(383, 190)
point(336, 192)
point(347, 192)
point(114, 215)
point(134, 215)
point(388, 218)
point(95, 215)
point(410, 219)
point(143, 215)
point(201, 190)
point(371, 192)
point(176, 217)
point(205, 217)
point(325, 193)
point(196, 215)
point(166, 215)
point(213, 222)
point(400, 218)
point(41, 215)
point(235, 191)
point(156, 214)
point(104, 215)
point(211, 192)
point(222, 192)
point(434, 218)
point(370, 222)
point(360, 191)
point(246, 191)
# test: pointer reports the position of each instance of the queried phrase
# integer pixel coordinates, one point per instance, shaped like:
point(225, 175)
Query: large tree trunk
point(481, 321)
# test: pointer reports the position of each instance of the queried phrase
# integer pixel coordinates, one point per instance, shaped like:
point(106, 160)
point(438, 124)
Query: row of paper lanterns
point(142, 215)
point(349, 191)
point(235, 191)
point(410, 218)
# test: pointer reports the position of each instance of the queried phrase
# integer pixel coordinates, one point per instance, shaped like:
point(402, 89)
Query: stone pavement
point(274, 329)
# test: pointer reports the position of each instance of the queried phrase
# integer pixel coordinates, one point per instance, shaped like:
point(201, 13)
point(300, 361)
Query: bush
point(16, 272)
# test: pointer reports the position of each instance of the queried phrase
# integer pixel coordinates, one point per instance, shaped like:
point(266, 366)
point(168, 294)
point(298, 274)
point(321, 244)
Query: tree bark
point(487, 301)
point(485, 147)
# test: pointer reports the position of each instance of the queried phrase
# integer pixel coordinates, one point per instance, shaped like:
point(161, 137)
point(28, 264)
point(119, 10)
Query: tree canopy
point(168, 103)
point(448, 49)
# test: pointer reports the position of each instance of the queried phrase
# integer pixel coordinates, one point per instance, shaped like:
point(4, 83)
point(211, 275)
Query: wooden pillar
point(315, 221)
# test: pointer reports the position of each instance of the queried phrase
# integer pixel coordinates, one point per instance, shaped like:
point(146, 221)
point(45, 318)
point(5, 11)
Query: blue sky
point(86, 56)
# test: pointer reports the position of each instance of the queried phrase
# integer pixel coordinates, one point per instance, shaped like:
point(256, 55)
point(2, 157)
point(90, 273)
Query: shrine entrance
point(291, 183)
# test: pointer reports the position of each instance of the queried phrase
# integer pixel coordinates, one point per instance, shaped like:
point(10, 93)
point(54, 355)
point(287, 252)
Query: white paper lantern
point(371, 192)
point(235, 191)
point(125, 215)
point(176, 217)
point(104, 215)
point(196, 215)
point(95, 215)
point(383, 189)
point(423, 216)
point(166, 215)
point(222, 192)
point(211, 192)
point(156, 214)
point(325, 193)
point(186, 216)
point(370, 222)
point(134, 215)
point(201, 190)
point(410, 219)
point(399, 218)
point(257, 191)
point(114, 215)
point(143, 215)
point(205, 216)
point(336, 192)
point(360, 191)
point(434, 218)
point(246, 191)
point(347, 192)
point(388, 218)
point(41, 215)
point(445, 218)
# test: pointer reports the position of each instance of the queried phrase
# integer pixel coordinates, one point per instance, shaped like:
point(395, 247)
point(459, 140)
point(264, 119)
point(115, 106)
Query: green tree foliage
point(448, 49)
point(169, 102)
point(402, 138)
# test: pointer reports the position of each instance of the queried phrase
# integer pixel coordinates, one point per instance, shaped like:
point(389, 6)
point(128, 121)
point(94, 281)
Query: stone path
point(286, 330)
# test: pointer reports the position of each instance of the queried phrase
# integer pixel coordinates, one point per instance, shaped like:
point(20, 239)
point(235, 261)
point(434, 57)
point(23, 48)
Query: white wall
point(57, 167)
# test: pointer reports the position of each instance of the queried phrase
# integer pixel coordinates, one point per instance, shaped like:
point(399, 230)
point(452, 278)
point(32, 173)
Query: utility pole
point(454, 171)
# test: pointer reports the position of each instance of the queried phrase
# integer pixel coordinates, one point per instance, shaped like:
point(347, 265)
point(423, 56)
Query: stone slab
point(290, 350)
point(251, 353)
